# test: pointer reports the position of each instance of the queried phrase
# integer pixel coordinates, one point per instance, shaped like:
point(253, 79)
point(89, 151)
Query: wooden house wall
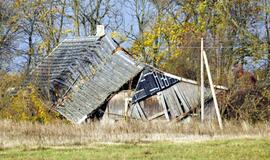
point(116, 106)
point(174, 102)
point(150, 106)
point(210, 112)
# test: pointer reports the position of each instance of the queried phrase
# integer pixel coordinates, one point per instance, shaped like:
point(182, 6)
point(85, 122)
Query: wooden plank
point(156, 116)
point(178, 104)
point(161, 102)
point(184, 115)
point(134, 112)
point(174, 102)
point(184, 100)
point(142, 114)
point(170, 103)
point(179, 95)
point(141, 103)
point(127, 100)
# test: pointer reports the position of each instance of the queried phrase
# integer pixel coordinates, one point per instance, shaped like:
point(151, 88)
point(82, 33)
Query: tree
point(52, 26)
point(27, 16)
point(144, 14)
point(9, 31)
point(266, 11)
point(76, 10)
point(98, 12)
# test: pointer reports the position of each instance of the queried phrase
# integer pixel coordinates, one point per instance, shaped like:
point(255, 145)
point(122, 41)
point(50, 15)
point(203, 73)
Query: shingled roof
point(88, 70)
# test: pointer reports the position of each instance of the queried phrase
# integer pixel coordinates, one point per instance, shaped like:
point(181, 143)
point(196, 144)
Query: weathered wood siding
point(173, 102)
point(116, 106)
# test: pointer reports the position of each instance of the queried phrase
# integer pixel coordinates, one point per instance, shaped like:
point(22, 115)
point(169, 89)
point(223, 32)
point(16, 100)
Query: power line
point(221, 47)
point(192, 47)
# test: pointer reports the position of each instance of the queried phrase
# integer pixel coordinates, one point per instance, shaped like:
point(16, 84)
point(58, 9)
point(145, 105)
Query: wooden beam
point(141, 112)
point(184, 115)
point(212, 90)
point(182, 99)
point(156, 116)
point(161, 102)
point(168, 100)
point(127, 100)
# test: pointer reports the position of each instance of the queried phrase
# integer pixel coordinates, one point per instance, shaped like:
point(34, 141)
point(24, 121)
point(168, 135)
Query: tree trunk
point(61, 22)
point(76, 17)
point(267, 38)
point(30, 54)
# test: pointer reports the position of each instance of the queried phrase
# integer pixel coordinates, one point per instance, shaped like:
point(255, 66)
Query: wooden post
point(163, 104)
point(127, 100)
point(202, 82)
point(212, 90)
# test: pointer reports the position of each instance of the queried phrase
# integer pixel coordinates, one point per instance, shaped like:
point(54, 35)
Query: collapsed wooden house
point(86, 77)
point(158, 95)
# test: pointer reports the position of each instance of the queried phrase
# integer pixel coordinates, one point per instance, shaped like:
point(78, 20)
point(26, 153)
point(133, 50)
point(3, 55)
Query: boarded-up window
point(150, 106)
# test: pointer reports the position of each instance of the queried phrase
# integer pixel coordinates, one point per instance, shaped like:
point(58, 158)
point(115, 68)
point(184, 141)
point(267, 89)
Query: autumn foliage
point(22, 104)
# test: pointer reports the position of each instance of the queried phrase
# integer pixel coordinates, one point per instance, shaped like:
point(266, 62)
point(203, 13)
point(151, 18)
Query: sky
point(128, 21)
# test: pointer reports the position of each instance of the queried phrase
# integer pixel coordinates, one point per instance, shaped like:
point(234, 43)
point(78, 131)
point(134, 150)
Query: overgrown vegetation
point(246, 101)
point(7, 83)
point(22, 103)
point(252, 105)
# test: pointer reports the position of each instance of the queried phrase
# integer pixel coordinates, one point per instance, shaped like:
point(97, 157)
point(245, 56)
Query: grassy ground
point(134, 140)
point(239, 149)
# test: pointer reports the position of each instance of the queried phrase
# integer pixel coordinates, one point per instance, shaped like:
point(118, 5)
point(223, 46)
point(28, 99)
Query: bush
point(7, 83)
point(26, 104)
point(247, 103)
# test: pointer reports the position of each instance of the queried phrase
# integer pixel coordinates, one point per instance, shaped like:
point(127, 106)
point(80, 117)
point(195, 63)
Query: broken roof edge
point(169, 74)
point(56, 47)
point(72, 39)
point(107, 99)
point(194, 82)
point(185, 79)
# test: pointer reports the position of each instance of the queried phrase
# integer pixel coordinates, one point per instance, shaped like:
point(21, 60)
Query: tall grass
point(34, 134)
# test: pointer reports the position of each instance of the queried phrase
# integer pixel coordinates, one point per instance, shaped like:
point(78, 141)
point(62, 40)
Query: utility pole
point(202, 82)
point(204, 60)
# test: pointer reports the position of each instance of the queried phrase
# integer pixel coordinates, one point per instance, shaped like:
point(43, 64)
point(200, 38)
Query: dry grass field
point(14, 134)
point(134, 140)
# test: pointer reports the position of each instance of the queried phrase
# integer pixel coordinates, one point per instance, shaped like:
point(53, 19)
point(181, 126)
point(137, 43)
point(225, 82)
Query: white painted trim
point(192, 81)
point(125, 57)
point(81, 120)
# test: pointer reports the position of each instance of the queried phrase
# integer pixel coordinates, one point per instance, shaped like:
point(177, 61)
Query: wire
point(197, 47)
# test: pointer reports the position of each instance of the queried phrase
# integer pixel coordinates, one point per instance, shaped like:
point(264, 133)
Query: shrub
point(24, 103)
point(27, 105)
point(247, 103)
point(8, 82)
